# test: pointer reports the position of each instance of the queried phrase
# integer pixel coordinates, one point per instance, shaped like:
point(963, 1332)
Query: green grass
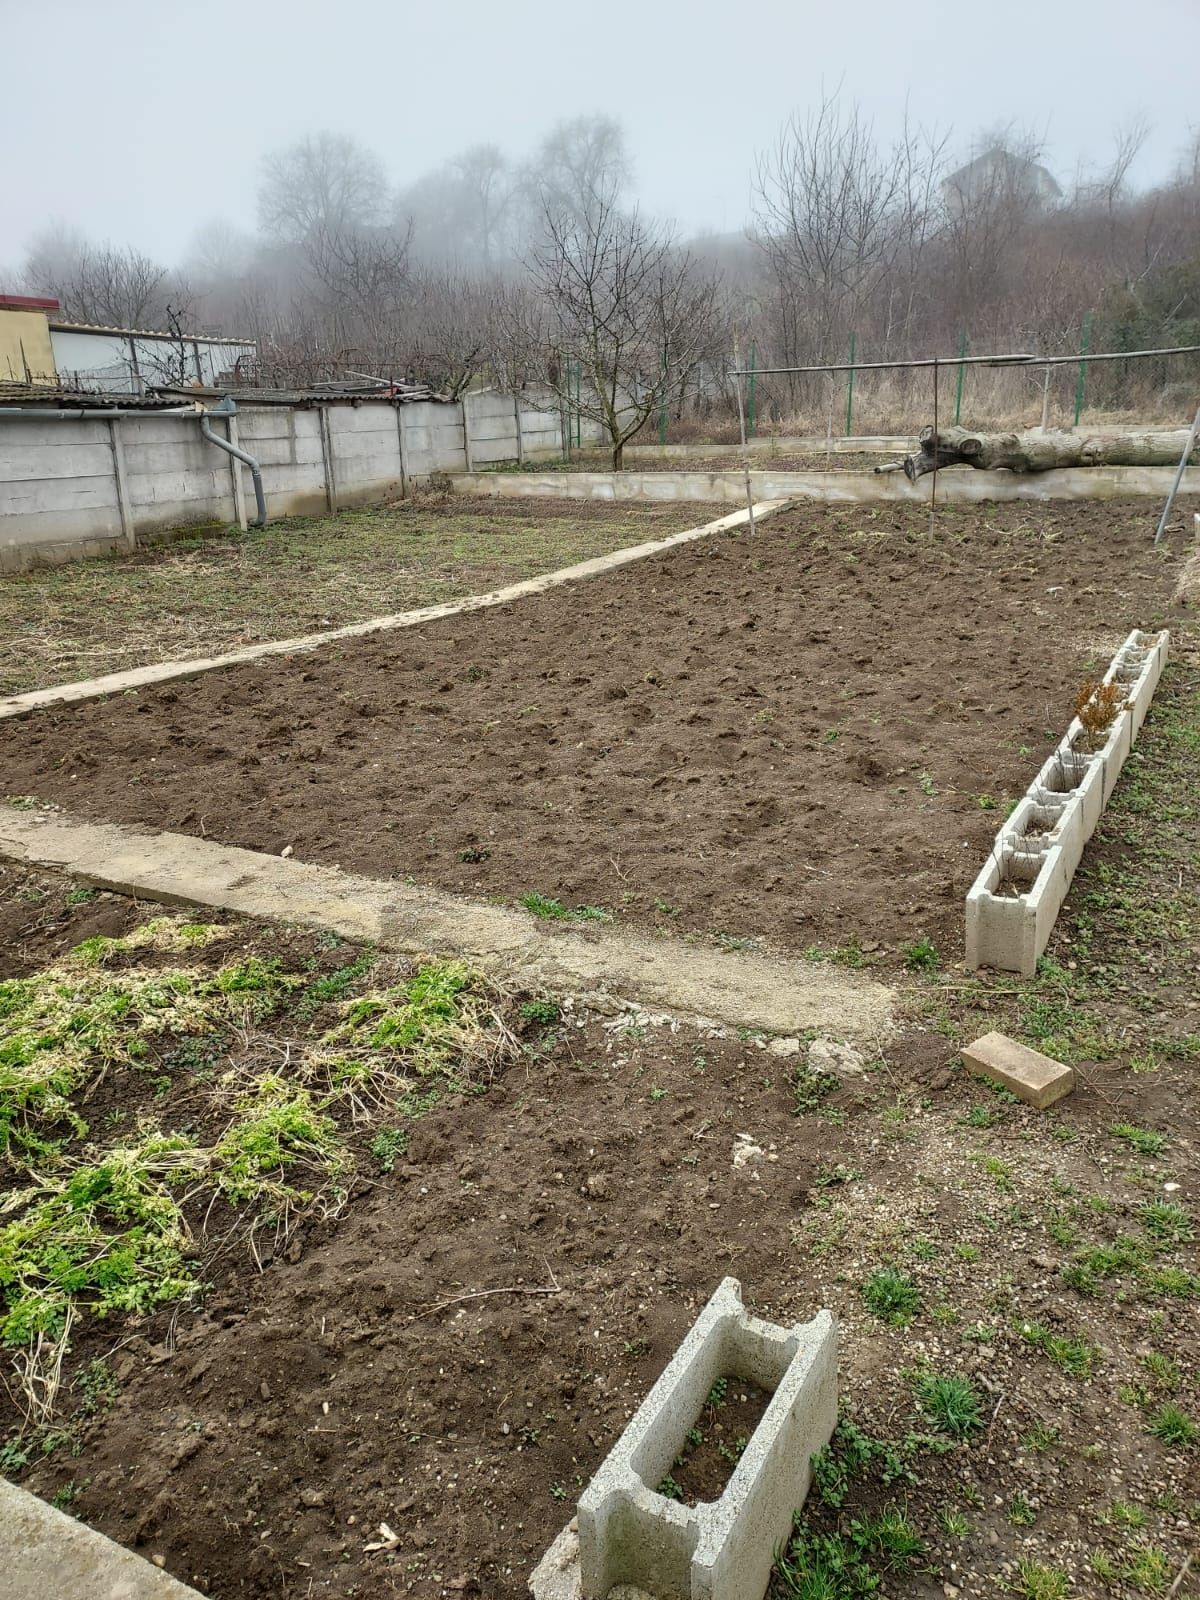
point(549, 910)
point(892, 1296)
point(951, 1404)
point(1036, 1581)
point(204, 595)
point(1074, 1356)
point(1144, 1140)
point(1173, 1426)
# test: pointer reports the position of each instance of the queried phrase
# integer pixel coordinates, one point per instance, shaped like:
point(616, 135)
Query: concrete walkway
point(45, 1555)
point(20, 705)
point(777, 993)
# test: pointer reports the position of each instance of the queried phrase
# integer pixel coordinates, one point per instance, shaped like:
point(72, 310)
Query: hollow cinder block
point(1012, 906)
point(723, 1550)
point(1010, 931)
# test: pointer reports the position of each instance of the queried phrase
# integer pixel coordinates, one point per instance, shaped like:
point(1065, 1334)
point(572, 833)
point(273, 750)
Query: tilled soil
point(809, 735)
point(409, 1399)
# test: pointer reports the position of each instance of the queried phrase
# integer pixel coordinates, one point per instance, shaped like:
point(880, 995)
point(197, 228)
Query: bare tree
point(324, 181)
point(617, 300)
point(116, 288)
point(828, 203)
point(581, 167)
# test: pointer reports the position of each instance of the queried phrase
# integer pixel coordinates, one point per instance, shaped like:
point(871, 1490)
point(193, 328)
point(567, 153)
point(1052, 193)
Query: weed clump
point(951, 1404)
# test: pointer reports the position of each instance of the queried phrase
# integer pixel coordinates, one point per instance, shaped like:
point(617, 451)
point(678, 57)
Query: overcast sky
point(139, 120)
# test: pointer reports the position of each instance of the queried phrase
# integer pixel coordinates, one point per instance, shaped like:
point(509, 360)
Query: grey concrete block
point(723, 1550)
point(1013, 904)
point(45, 1555)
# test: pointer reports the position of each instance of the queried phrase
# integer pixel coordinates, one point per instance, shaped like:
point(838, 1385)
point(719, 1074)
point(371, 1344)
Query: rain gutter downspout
point(228, 408)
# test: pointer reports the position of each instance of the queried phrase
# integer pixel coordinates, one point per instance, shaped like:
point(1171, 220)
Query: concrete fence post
point(235, 473)
point(466, 421)
point(403, 451)
point(327, 460)
point(128, 530)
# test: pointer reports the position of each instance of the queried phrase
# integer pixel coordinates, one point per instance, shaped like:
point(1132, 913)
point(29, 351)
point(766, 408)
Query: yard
point(364, 1264)
point(424, 1286)
point(807, 736)
point(203, 594)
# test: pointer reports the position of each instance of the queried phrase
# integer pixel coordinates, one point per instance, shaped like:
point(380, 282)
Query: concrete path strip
point(777, 993)
point(20, 705)
point(45, 1555)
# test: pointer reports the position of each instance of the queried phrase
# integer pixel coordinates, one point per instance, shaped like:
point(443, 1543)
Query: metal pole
point(1084, 341)
point(933, 486)
point(751, 406)
point(962, 350)
point(850, 385)
point(1183, 461)
point(742, 430)
point(1046, 400)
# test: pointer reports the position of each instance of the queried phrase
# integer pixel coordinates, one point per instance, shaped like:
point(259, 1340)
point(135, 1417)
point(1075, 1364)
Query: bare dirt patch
point(808, 735)
point(452, 1351)
point(210, 593)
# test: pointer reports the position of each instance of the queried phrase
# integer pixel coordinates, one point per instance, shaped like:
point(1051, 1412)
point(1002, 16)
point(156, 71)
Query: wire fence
point(1010, 390)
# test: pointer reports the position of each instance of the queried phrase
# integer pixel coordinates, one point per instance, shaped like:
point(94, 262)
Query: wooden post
point(235, 472)
point(327, 460)
point(466, 416)
point(1046, 401)
point(128, 531)
point(520, 435)
point(403, 452)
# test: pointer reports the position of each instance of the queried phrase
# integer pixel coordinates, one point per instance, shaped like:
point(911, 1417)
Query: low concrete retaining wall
point(45, 1555)
point(956, 485)
point(1014, 902)
point(628, 1533)
point(771, 444)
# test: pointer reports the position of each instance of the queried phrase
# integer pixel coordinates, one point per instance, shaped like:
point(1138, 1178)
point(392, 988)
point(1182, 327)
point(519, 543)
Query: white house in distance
point(39, 348)
point(999, 172)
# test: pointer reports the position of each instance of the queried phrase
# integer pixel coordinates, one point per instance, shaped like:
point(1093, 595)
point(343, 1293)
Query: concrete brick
point(45, 1555)
point(1042, 842)
point(723, 1550)
point(1037, 1079)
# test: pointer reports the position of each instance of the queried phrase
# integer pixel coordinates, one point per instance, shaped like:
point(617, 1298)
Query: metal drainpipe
point(227, 408)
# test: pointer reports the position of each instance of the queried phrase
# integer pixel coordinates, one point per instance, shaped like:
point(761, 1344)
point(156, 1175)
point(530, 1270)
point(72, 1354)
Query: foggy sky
point(140, 120)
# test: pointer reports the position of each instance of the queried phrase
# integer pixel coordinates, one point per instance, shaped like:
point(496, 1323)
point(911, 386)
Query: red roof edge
point(28, 302)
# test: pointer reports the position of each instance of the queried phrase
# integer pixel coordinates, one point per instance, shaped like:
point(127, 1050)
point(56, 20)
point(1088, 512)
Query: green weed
point(892, 1296)
point(951, 1404)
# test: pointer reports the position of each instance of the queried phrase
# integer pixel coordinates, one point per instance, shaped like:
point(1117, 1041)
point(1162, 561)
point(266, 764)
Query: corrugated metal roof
point(12, 394)
point(57, 326)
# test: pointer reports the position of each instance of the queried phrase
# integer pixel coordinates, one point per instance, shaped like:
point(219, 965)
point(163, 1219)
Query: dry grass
point(205, 594)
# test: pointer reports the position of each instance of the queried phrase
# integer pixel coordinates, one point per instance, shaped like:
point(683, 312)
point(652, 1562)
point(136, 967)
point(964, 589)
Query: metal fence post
point(662, 403)
point(752, 390)
point(958, 388)
point(1084, 342)
point(850, 385)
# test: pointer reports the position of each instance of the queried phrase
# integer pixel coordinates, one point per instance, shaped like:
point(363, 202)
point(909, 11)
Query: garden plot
point(202, 595)
point(409, 1320)
point(805, 735)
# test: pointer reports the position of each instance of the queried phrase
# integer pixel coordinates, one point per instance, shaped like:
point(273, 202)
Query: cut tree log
point(1040, 452)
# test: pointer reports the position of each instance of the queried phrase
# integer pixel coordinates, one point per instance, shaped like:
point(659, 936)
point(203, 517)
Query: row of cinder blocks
point(631, 1536)
point(1013, 903)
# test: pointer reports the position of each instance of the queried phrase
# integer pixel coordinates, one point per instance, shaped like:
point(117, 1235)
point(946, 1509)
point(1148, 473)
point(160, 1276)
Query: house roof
point(58, 399)
point(28, 302)
point(57, 326)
